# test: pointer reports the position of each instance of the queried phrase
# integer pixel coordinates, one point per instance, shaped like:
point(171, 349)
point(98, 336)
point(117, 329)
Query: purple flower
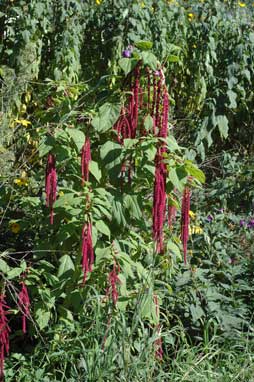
point(157, 73)
point(126, 53)
point(209, 218)
point(250, 223)
point(242, 223)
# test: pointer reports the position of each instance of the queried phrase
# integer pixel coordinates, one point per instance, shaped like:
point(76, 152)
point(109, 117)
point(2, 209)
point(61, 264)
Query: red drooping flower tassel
point(85, 160)
point(171, 214)
point(24, 305)
point(51, 184)
point(148, 89)
point(159, 194)
point(134, 104)
point(185, 220)
point(4, 335)
point(113, 280)
point(87, 250)
point(159, 201)
point(158, 342)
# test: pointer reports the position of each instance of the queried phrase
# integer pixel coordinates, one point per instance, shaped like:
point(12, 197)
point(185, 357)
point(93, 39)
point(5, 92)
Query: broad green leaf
point(173, 58)
point(148, 123)
point(232, 99)
point(4, 267)
point(172, 247)
point(65, 200)
point(111, 154)
point(127, 64)
point(42, 317)
point(222, 123)
point(95, 171)
point(66, 265)
point(103, 254)
point(196, 312)
point(106, 117)
point(14, 272)
point(131, 204)
point(172, 176)
point(102, 227)
point(144, 45)
point(46, 145)
point(149, 59)
point(77, 136)
point(195, 172)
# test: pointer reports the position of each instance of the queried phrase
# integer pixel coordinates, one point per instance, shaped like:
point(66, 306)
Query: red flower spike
point(185, 220)
point(113, 280)
point(4, 335)
point(159, 194)
point(158, 342)
point(87, 250)
point(51, 185)
point(171, 215)
point(85, 160)
point(24, 305)
point(148, 89)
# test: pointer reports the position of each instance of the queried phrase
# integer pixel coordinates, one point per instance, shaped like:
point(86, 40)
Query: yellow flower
point(60, 193)
point(190, 16)
point(196, 229)
point(23, 180)
point(192, 215)
point(14, 227)
point(241, 4)
point(98, 2)
point(23, 122)
point(143, 4)
point(194, 46)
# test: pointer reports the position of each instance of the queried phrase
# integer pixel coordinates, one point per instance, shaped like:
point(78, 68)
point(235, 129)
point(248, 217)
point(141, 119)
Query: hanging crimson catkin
point(158, 342)
point(85, 160)
point(159, 194)
point(87, 250)
point(185, 220)
point(171, 214)
point(4, 335)
point(51, 184)
point(113, 280)
point(24, 305)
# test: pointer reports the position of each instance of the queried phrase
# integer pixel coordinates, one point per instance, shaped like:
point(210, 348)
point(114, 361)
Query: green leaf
point(149, 59)
point(111, 154)
point(173, 58)
point(131, 204)
point(15, 272)
point(94, 170)
point(172, 176)
point(148, 123)
point(42, 317)
point(66, 265)
point(65, 200)
point(4, 267)
point(127, 64)
point(46, 145)
point(102, 227)
point(106, 117)
point(195, 172)
point(174, 248)
point(144, 45)
point(232, 99)
point(196, 312)
point(222, 123)
point(77, 136)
